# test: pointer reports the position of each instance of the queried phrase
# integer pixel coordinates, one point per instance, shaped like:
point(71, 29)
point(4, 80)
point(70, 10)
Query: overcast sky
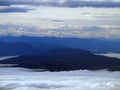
point(60, 18)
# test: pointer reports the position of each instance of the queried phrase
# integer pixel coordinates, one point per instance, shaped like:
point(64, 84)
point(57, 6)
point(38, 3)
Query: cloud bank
point(25, 79)
point(64, 3)
point(13, 9)
point(56, 30)
point(60, 18)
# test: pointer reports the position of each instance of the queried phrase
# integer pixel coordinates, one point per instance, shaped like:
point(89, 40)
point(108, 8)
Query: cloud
point(13, 9)
point(64, 3)
point(96, 4)
point(60, 31)
point(26, 79)
point(93, 29)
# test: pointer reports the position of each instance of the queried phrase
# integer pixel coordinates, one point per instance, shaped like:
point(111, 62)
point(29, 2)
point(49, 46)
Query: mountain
point(10, 49)
point(22, 48)
point(65, 59)
point(97, 45)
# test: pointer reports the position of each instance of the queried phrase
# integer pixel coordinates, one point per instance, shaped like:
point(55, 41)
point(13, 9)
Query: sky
point(60, 18)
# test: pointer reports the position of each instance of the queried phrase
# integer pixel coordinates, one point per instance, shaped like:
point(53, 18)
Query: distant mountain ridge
point(22, 48)
point(93, 45)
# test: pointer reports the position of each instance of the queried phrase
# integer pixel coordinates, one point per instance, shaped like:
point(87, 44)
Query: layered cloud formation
point(56, 3)
point(13, 9)
point(64, 3)
point(60, 31)
point(25, 79)
point(70, 18)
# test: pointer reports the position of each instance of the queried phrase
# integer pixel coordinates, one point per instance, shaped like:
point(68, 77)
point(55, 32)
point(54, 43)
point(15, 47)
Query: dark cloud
point(96, 4)
point(13, 9)
point(66, 3)
point(4, 3)
point(16, 2)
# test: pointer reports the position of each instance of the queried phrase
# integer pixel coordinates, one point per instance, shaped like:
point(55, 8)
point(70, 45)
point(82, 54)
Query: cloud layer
point(60, 31)
point(60, 18)
point(25, 79)
point(64, 3)
point(13, 9)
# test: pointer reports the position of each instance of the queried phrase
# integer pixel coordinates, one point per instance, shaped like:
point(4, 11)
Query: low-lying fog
point(116, 55)
point(26, 79)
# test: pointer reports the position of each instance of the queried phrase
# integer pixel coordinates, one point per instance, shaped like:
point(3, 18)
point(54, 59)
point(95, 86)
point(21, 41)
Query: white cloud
point(54, 13)
point(25, 79)
point(61, 21)
point(60, 30)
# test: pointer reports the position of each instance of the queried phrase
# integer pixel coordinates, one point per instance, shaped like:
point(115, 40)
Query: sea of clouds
point(26, 79)
point(116, 55)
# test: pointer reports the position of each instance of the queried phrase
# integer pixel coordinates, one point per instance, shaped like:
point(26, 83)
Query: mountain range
point(63, 59)
point(95, 45)
point(22, 48)
point(59, 54)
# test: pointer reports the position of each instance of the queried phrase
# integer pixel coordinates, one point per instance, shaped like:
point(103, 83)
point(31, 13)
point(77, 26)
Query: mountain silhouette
point(62, 59)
